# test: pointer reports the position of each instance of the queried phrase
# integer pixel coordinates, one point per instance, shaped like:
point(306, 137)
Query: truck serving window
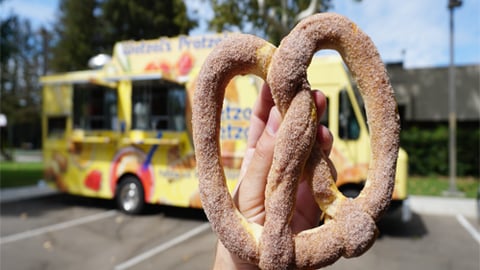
point(348, 126)
point(94, 107)
point(158, 105)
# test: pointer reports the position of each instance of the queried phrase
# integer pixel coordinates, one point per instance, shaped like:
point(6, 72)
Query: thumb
point(250, 193)
point(262, 152)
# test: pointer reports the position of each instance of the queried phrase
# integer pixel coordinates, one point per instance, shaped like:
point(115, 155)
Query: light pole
point(452, 117)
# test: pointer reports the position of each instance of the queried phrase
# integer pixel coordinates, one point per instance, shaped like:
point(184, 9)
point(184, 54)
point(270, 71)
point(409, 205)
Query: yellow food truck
point(123, 131)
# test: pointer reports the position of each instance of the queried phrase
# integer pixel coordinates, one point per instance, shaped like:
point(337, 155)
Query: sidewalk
point(444, 206)
point(20, 155)
point(418, 204)
point(23, 193)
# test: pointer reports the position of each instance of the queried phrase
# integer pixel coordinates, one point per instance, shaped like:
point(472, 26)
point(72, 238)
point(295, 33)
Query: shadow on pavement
point(394, 227)
point(175, 212)
point(41, 205)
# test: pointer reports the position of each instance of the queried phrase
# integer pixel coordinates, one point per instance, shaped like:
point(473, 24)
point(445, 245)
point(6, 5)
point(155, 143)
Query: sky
point(412, 31)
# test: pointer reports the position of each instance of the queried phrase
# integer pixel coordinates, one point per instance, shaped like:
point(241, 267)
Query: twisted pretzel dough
point(349, 228)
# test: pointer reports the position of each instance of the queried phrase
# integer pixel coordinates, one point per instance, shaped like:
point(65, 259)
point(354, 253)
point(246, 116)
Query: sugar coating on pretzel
point(349, 227)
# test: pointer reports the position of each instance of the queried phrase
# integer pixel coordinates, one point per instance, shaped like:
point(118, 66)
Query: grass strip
point(436, 185)
point(16, 174)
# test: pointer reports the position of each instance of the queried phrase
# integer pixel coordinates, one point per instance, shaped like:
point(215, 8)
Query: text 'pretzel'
point(349, 228)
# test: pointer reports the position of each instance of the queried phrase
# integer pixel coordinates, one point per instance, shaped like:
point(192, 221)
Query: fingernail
point(273, 122)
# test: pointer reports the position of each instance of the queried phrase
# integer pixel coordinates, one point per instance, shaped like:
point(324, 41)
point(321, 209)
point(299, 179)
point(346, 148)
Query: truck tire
point(130, 195)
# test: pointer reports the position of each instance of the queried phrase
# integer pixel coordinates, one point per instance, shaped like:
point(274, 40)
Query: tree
point(20, 62)
point(76, 31)
point(21, 58)
point(89, 27)
point(271, 19)
point(143, 19)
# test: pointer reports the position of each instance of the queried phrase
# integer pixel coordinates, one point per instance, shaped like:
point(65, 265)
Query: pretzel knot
point(349, 228)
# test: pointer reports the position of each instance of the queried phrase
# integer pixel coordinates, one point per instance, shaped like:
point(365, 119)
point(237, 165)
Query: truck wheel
point(130, 195)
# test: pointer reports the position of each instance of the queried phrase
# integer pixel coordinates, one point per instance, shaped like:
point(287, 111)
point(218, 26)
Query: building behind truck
point(123, 131)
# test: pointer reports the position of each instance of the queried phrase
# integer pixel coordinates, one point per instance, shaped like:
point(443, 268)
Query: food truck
point(123, 131)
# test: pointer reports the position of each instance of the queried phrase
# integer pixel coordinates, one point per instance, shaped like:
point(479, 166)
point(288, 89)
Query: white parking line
point(55, 227)
point(469, 227)
point(152, 252)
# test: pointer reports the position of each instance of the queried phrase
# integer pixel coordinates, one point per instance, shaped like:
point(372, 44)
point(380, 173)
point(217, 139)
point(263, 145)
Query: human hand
point(249, 195)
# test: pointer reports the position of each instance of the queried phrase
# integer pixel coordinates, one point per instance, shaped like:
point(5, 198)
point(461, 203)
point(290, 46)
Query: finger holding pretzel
point(272, 241)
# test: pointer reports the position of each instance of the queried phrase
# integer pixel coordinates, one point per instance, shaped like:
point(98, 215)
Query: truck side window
point(94, 107)
point(349, 129)
point(158, 105)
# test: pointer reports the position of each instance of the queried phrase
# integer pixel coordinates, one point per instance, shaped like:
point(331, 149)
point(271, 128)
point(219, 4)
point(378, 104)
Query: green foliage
point(428, 150)
point(272, 20)
point(125, 19)
point(76, 31)
point(7, 41)
point(468, 152)
point(21, 62)
point(89, 27)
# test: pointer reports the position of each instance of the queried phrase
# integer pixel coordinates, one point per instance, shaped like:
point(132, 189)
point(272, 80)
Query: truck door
point(351, 150)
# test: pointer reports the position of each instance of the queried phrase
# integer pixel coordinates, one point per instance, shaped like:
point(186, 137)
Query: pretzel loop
point(349, 227)
point(240, 54)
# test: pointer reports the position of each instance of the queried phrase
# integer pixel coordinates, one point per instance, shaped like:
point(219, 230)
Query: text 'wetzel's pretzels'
point(349, 228)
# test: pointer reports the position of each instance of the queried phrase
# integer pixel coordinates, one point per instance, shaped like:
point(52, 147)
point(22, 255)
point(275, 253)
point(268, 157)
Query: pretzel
point(349, 224)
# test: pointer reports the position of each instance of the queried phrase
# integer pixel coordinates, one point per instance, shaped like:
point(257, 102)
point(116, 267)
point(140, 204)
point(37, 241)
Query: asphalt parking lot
point(59, 231)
